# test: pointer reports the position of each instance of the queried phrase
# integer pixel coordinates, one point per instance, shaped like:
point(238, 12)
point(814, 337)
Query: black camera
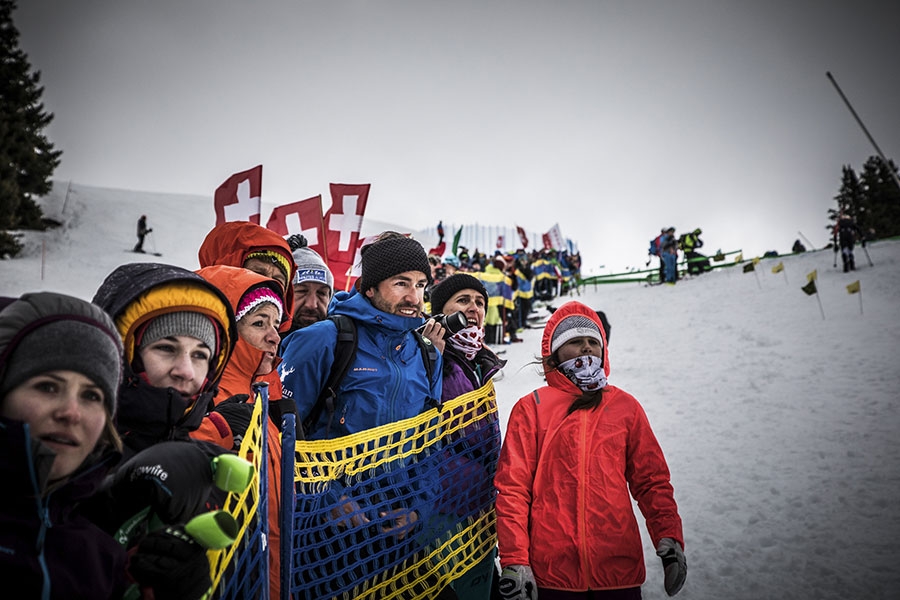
point(451, 323)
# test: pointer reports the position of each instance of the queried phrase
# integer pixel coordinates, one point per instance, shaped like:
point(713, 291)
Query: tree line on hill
point(871, 198)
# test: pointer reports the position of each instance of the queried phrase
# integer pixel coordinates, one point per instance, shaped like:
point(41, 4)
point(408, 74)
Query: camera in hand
point(451, 323)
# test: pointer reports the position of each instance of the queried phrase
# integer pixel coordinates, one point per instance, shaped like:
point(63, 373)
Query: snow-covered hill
point(780, 426)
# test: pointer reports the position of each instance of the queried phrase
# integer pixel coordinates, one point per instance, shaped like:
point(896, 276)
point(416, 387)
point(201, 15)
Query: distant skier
point(142, 231)
point(846, 232)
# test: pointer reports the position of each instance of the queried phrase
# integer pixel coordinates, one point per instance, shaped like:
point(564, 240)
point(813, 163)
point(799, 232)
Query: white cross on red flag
point(239, 197)
point(303, 217)
point(343, 221)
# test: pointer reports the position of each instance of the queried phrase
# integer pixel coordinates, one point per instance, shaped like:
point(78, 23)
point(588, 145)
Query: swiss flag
point(553, 239)
point(523, 237)
point(239, 197)
point(303, 217)
point(343, 222)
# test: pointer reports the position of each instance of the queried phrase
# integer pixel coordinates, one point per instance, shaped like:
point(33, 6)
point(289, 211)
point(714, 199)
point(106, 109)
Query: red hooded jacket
point(231, 242)
point(564, 506)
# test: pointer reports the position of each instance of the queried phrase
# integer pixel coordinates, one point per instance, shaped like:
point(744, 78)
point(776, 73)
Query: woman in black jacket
point(60, 366)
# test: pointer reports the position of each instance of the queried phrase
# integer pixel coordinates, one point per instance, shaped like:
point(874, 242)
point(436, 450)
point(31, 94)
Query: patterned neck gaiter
point(468, 341)
point(585, 371)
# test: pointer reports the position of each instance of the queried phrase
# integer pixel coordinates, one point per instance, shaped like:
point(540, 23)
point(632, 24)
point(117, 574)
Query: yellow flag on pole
point(778, 268)
point(853, 288)
point(810, 288)
point(755, 260)
point(739, 257)
point(812, 276)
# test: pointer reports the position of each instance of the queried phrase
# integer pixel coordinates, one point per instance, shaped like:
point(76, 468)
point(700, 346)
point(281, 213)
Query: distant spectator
point(845, 234)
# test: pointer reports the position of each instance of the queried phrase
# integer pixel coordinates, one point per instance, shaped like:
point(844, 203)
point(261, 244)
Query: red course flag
point(343, 222)
point(239, 197)
point(303, 217)
point(523, 237)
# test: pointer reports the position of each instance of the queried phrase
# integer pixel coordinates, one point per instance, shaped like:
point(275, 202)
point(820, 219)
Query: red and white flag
point(523, 237)
point(553, 239)
point(303, 217)
point(343, 221)
point(500, 242)
point(239, 197)
point(356, 269)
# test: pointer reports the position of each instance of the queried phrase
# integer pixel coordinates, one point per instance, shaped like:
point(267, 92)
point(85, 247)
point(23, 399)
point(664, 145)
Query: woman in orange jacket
point(258, 304)
point(574, 454)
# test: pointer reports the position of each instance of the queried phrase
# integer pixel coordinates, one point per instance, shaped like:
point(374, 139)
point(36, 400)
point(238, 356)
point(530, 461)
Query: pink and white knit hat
point(256, 296)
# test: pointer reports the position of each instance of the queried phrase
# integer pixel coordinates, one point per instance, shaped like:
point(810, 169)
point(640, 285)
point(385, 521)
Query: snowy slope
point(780, 427)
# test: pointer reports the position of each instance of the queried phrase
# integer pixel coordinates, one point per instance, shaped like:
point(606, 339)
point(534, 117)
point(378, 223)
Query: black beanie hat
point(58, 332)
point(443, 291)
point(391, 256)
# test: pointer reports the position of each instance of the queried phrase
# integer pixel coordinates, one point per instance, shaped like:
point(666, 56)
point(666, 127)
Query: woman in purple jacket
point(475, 448)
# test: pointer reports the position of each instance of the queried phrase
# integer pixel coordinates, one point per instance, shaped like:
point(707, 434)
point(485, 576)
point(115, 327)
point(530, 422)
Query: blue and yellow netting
point(436, 471)
point(242, 569)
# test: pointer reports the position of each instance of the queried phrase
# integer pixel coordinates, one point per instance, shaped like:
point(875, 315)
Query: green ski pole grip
point(231, 473)
point(213, 530)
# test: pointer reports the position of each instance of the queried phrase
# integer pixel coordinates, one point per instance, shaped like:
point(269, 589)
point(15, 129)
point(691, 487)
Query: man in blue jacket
point(370, 521)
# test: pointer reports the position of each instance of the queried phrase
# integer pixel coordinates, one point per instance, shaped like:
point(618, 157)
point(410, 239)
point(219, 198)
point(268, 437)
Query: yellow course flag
point(778, 268)
point(739, 257)
point(853, 288)
point(810, 288)
point(812, 276)
point(755, 260)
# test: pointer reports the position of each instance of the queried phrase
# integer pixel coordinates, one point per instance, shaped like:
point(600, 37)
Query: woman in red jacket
point(574, 454)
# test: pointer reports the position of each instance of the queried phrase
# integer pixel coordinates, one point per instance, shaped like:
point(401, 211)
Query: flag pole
point(785, 276)
point(819, 300)
point(860, 301)
point(866, 131)
point(811, 245)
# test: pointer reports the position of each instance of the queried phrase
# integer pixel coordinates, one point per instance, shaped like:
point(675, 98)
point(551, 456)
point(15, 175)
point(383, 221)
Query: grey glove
point(517, 583)
point(674, 564)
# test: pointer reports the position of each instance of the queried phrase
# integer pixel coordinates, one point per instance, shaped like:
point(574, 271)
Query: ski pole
point(152, 241)
point(866, 250)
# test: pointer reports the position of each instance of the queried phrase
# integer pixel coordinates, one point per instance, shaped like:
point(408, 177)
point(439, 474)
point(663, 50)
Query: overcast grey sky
point(611, 118)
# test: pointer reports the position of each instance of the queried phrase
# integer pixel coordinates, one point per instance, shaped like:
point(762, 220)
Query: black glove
point(172, 479)
point(237, 412)
point(149, 230)
point(674, 564)
point(297, 241)
point(517, 583)
point(172, 564)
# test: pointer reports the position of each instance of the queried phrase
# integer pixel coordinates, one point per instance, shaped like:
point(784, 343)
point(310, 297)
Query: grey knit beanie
point(86, 343)
point(188, 323)
point(445, 290)
point(311, 267)
point(391, 256)
point(573, 327)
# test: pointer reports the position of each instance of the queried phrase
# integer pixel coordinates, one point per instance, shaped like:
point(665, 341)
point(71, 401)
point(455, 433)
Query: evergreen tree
point(882, 198)
point(850, 198)
point(872, 199)
point(27, 158)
